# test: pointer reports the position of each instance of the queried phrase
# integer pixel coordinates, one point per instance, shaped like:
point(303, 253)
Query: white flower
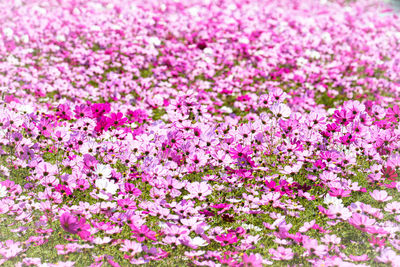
point(60, 38)
point(100, 241)
point(8, 32)
point(346, 214)
point(3, 191)
point(226, 109)
point(301, 61)
point(154, 41)
point(26, 109)
point(103, 171)
point(198, 241)
point(111, 188)
point(106, 185)
point(251, 227)
point(101, 183)
point(329, 200)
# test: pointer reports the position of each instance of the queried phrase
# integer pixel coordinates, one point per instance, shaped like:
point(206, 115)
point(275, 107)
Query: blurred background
point(395, 4)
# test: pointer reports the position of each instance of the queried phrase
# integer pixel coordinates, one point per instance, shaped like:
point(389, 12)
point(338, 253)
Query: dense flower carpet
point(199, 133)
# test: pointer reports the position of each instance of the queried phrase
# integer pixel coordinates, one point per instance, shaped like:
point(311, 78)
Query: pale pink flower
point(131, 247)
point(393, 207)
point(363, 257)
point(313, 247)
point(388, 256)
point(331, 239)
point(380, 195)
point(198, 190)
point(281, 253)
point(307, 226)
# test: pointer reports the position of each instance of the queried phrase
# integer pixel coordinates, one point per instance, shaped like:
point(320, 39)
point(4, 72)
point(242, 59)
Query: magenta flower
point(343, 117)
point(272, 186)
point(127, 204)
point(69, 223)
point(63, 189)
point(389, 173)
point(99, 109)
point(103, 123)
point(117, 119)
point(143, 232)
point(393, 114)
point(131, 189)
point(64, 112)
point(227, 239)
point(240, 151)
point(222, 207)
point(347, 139)
point(377, 242)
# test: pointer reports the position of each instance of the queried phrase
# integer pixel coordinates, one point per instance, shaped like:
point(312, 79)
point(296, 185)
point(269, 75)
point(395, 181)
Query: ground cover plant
point(210, 133)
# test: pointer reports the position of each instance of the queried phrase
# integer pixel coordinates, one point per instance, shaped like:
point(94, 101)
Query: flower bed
point(211, 133)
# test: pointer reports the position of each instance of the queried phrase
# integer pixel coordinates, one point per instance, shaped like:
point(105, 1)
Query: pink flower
point(363, 257)
point(331, 239)
point(377, 242)
point(138, 115)
point(381, 196)
point(10, 248)
point(307, 226)
point(82, 111)
point(339, 192)
point(199, 158)
point(393, 161)
point(253, 260)
point(143, 232)
point(388, 256)
point(281, 253)
point(313, 247)
point(361, 221)
point(71, 224)
point(175, 233)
